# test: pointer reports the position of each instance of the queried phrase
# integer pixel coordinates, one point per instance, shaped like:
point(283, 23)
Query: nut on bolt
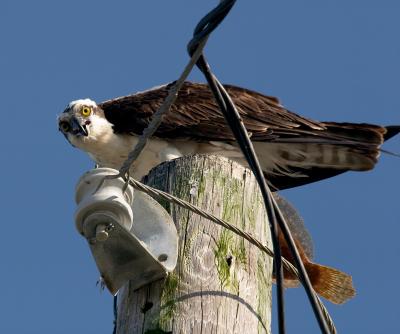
point(102, 232)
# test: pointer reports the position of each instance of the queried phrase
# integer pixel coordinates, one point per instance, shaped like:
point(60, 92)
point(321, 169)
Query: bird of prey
point(292, 150)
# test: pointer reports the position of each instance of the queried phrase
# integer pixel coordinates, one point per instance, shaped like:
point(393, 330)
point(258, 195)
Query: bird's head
point(81, 121)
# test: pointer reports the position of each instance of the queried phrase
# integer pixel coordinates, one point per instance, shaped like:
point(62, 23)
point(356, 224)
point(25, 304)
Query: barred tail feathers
point(301, 157)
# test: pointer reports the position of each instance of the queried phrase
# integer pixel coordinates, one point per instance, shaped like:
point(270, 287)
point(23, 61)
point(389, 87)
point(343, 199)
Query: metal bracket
point(130, 235)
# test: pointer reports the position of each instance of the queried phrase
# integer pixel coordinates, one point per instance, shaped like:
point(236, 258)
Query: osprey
point(292, 149)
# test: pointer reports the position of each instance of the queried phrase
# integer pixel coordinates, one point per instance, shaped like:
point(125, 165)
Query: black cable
point(115, 309)
point(202, 30)
point(272, 209)
point(242, 138)
point(246, 146)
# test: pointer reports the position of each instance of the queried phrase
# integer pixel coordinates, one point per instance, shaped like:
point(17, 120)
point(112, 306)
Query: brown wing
point(323, 149)
point(195, 114)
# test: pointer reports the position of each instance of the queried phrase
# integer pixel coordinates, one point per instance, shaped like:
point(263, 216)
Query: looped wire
point(276, 219)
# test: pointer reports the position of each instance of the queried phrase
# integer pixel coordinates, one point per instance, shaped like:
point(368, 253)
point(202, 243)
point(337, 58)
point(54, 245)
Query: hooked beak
point(77, 129)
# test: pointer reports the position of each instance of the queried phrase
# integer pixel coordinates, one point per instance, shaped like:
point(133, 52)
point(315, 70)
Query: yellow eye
point(86, 111)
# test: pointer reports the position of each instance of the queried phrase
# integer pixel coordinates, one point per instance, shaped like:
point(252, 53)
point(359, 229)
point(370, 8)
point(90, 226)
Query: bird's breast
point(112, 151)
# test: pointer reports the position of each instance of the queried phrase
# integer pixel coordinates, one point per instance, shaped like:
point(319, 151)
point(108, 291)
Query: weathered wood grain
point(221, 284)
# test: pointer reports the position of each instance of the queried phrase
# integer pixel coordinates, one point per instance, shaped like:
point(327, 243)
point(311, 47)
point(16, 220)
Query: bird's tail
point(330, 283)
point(391, 131)
point(290, 161)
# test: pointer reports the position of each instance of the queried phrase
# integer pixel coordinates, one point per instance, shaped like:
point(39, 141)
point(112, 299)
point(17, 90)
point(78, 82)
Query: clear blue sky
point(329, 60)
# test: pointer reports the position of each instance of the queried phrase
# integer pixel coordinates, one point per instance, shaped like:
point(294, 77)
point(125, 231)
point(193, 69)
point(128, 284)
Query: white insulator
point(102, 206)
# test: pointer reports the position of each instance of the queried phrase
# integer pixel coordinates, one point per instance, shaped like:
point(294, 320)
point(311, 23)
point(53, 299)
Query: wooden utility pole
point(222, 284)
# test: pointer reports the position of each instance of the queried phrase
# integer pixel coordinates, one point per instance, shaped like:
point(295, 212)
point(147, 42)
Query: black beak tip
point(77, 129)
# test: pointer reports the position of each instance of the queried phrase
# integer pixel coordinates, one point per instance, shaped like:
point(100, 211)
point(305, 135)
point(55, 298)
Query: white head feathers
point(82, 102)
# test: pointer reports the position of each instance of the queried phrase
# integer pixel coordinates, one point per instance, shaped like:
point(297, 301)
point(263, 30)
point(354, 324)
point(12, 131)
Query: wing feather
point(195, 113)
point(317, 150)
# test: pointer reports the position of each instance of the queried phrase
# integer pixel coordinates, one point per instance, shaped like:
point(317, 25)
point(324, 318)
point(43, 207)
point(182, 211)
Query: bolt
point(162, 257)
point(101, 232)
point(109, 227)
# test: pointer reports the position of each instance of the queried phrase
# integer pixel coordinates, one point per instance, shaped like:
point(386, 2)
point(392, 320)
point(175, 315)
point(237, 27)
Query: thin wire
point(156, 120)
point(158, 115)
point(205, 27)
point(159, 194)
